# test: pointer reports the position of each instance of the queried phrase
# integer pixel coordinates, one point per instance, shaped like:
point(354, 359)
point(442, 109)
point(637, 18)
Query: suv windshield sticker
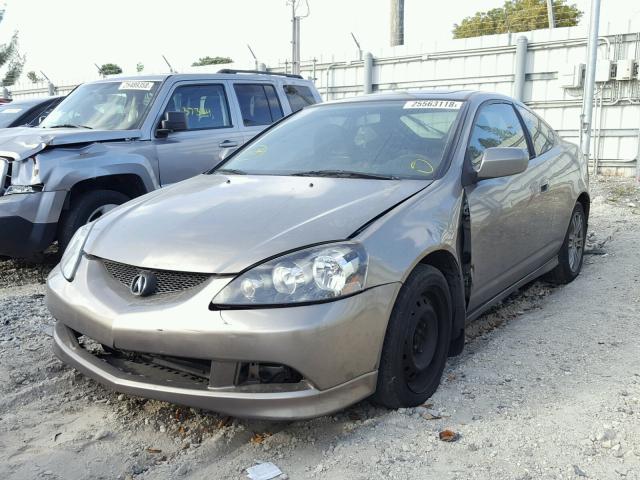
point(448, 104)
point(135, 85)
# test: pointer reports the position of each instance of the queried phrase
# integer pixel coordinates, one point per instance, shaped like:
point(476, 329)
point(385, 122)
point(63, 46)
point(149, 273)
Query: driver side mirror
point(502, 162)
point(172, 122)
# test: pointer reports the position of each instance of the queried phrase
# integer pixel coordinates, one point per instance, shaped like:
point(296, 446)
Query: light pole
point(590, 77)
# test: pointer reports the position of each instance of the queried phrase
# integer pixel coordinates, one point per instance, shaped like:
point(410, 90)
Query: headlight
point(73, 253)
point(16, 189)
point(26, 172)
point(316, 274)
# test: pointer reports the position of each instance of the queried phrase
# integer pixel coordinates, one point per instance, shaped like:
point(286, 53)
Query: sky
point(65, 38)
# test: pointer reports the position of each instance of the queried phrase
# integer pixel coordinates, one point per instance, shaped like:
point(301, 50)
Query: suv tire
point(85, 208)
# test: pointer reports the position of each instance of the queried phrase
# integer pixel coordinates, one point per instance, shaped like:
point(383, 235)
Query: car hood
point(23, 142)
point(224, 224)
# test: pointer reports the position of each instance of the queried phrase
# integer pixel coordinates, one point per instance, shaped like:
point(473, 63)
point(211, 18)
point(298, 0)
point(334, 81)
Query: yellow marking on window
point(422, 166)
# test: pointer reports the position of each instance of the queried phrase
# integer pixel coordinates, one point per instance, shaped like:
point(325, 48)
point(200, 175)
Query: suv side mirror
point(172, 122)
point(502, 162)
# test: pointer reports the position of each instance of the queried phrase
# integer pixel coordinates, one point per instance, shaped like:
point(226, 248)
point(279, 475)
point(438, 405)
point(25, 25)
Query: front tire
point(571, 253)
point(416, 345)
point(87, 207)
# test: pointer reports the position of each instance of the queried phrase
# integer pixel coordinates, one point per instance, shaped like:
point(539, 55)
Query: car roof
point(27, 102)
point(435, 94)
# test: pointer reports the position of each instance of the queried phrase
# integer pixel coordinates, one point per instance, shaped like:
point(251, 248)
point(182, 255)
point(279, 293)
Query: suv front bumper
point(28, 222)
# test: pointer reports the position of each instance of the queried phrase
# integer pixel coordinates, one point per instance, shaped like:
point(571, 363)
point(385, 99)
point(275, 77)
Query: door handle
point(228, 144)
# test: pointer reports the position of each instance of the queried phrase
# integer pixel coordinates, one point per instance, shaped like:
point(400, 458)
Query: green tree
point(517, 16)
point(11, 58)
point(110, 69)
point(211, 61)
point(34, 77)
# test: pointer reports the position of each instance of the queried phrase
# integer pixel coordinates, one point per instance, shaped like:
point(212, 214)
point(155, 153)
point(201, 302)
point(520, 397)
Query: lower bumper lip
point(298, 404)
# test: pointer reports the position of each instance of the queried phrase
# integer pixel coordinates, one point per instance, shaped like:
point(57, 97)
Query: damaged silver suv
point(336, 256)
point(113, 140)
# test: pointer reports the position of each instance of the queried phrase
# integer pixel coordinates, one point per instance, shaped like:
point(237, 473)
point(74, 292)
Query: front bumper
point(28, 222)
point(334, 346)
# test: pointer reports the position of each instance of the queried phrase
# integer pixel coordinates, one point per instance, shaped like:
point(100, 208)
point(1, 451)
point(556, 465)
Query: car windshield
point(120, 105)
point(377, 139)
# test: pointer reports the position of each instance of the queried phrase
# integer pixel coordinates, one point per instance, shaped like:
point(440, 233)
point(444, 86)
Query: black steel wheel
point(416, 345)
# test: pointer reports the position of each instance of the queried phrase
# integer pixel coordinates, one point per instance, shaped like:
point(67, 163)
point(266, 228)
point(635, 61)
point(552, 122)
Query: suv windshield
point(381, 139)
point(120, 105)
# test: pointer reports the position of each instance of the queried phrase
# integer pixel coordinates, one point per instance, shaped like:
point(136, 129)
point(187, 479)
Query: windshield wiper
point(230, 171)
point(343, 174)
point(70, 125)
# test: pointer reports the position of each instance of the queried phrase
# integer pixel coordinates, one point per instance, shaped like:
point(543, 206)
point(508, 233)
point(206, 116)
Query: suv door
point(210, 128)
point(502, 210)
point(258, 105)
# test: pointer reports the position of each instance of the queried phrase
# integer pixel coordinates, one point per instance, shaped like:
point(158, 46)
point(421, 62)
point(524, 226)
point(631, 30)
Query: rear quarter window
point(299, 96)
point(542, 136)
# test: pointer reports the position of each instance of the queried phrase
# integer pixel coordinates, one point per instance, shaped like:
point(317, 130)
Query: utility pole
point(397, 22)
point(550, 14)
point(295, 40)
point(590, 76)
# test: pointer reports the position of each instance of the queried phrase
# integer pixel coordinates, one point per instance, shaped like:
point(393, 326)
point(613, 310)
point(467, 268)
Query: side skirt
point(547, 267)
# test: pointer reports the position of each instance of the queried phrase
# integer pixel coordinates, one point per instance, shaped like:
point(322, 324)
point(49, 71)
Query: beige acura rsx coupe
point(335, 257)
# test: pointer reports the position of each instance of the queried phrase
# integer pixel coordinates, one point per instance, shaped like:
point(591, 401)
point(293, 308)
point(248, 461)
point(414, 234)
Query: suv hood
point(21, 143)
point(224, 224)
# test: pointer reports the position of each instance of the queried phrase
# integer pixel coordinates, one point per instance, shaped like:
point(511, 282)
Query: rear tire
point(416, 345)
point(571, 253)
point(85, 208)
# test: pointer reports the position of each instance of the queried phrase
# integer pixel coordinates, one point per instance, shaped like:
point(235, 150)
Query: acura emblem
point(143, 284)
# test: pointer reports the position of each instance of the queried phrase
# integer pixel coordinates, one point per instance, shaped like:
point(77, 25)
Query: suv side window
point(542, 135)
point(298, 96)
point(259, 104)
point(495, 125)
point(205, 106)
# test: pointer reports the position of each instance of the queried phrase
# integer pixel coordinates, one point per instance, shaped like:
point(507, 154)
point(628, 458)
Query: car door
point(258, 106)
point(210, 129)
point(556, 169)
point(502, 210)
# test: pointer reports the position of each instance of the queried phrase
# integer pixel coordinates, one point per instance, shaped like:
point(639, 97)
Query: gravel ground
point(548, 387)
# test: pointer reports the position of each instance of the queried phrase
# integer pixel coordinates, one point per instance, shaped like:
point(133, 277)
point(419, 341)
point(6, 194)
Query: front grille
point(167, 281)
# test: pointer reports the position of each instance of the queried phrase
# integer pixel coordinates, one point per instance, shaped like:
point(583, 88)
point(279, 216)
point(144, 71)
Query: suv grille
point(167, 281)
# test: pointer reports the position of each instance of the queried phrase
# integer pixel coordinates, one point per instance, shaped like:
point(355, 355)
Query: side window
point(496, 125)
point(259, 104)
point(541, 134)
point(298, 97)
point(206, 106)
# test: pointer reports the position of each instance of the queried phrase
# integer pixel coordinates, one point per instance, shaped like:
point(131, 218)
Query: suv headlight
point(72, 255)
point(25, 177)
point(316, 274)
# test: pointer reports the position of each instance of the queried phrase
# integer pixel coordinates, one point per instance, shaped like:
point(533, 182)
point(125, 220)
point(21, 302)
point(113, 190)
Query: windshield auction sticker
point(444, 104)
point(135, 85)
